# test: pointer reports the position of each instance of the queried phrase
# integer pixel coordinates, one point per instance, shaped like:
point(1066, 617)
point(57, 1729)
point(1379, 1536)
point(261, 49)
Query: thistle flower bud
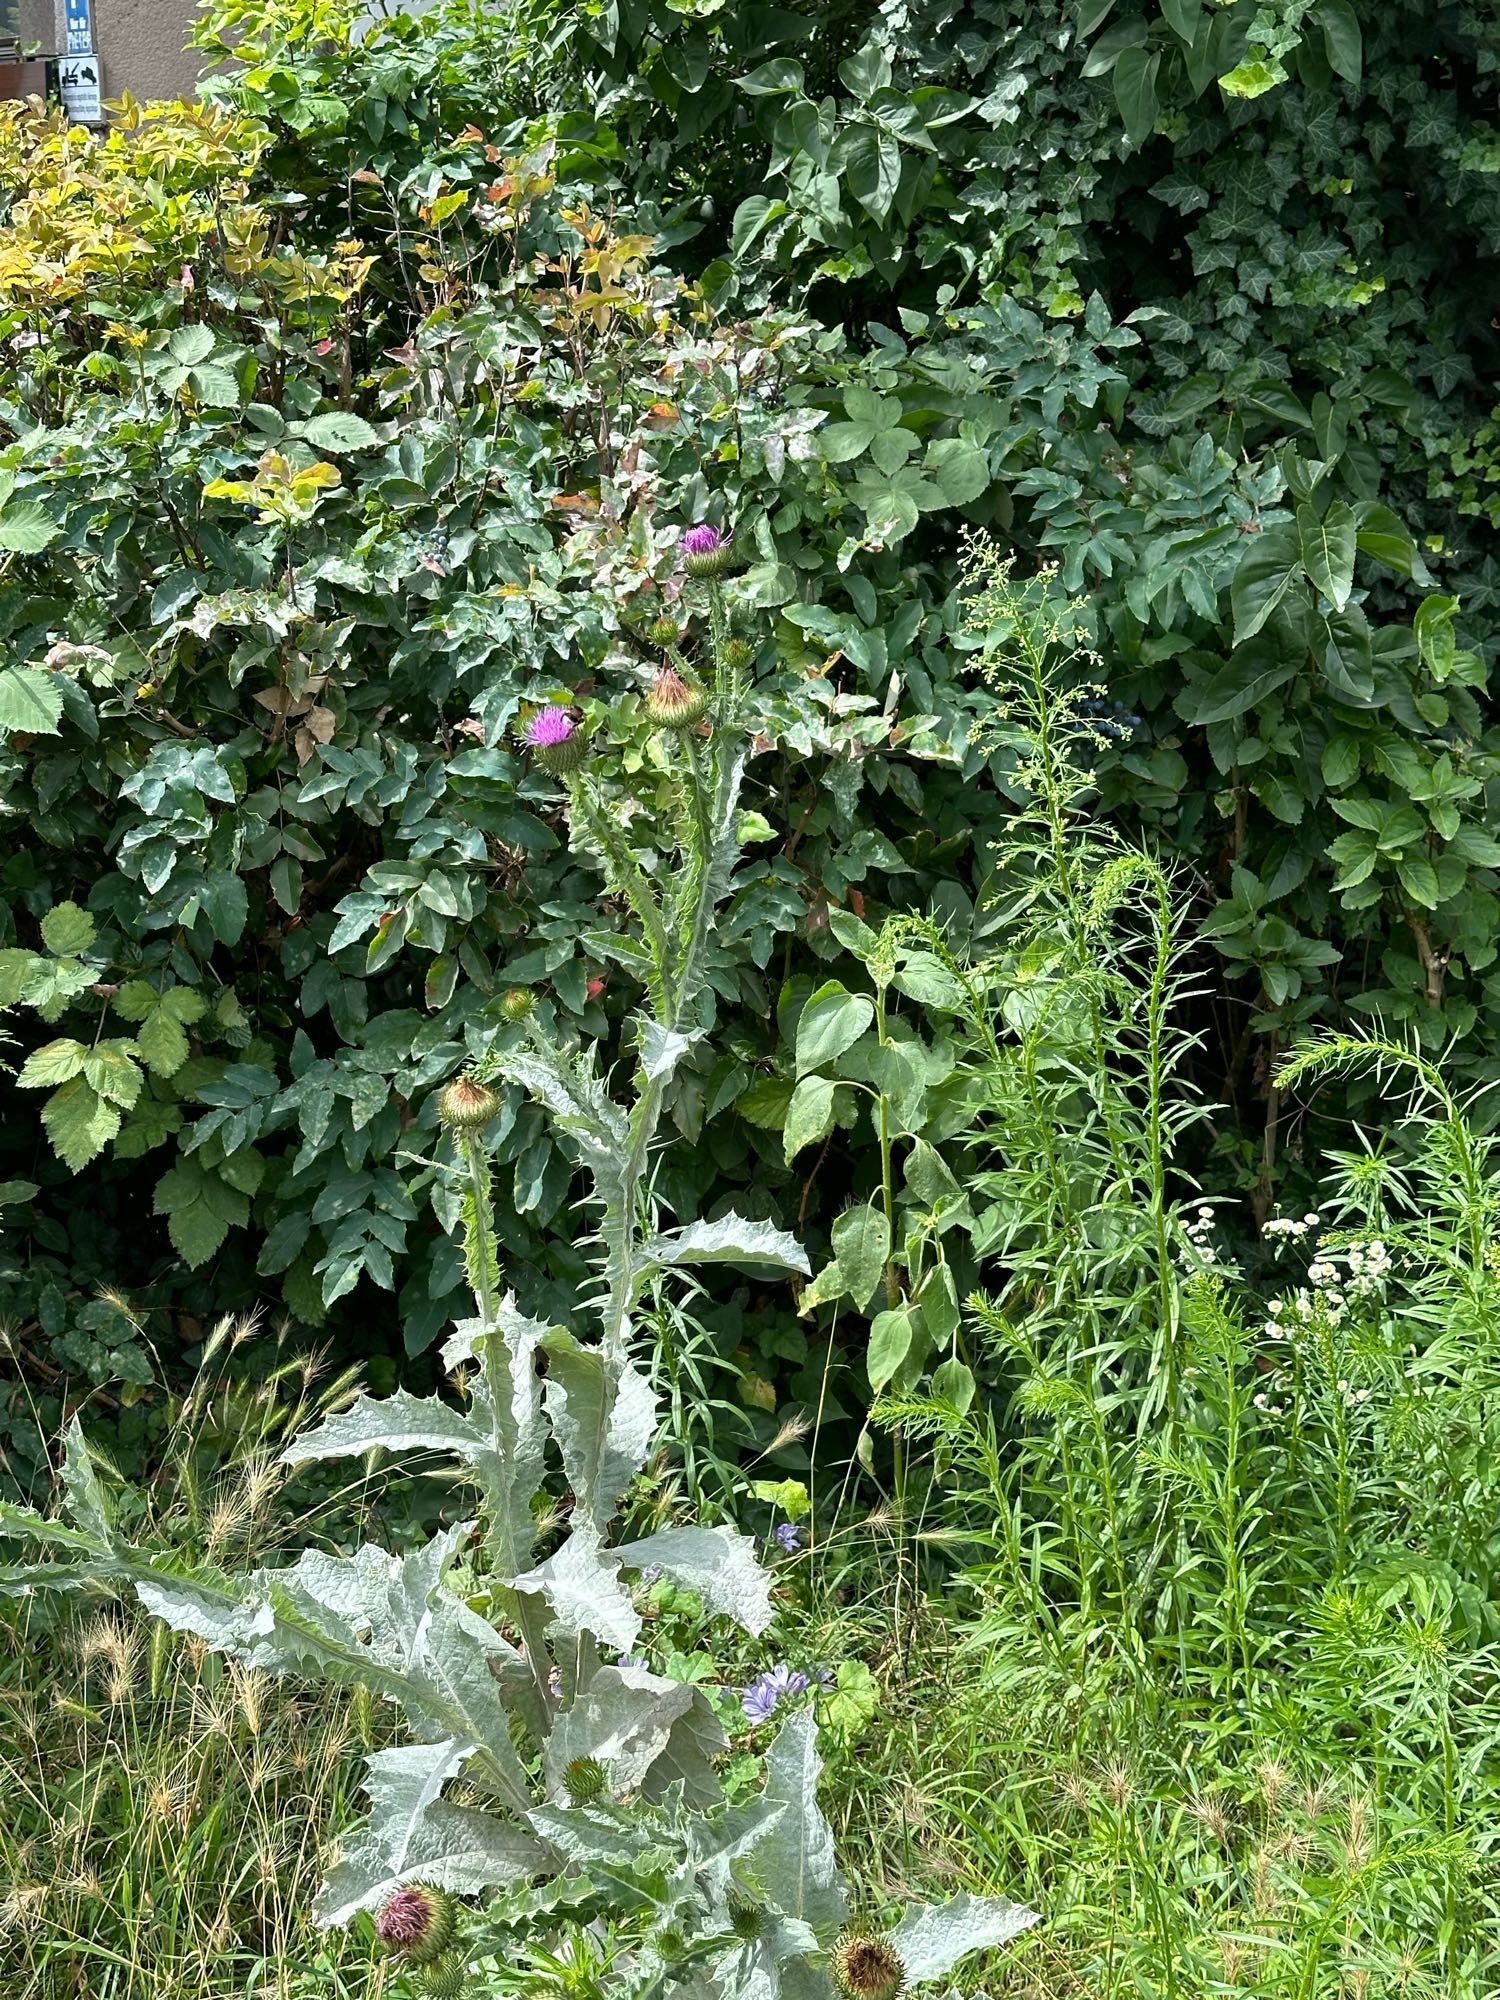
point(555, 739)
point(737, 655)
point(675, 703)
point(516, 1003)
point(466, 1104)
point(746, 1920)
point(705, 552)
point(584, 1780)
point(664, 631)
point(417, 1921)
point(446, 1979)
point(866, 1967)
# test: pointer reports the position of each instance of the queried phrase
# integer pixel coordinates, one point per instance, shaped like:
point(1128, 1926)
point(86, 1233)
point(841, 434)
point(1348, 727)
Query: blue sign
point(79, 18)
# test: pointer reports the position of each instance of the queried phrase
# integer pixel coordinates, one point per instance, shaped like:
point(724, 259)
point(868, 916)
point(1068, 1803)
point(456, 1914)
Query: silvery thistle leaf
point(604, 1418)
point(647, 1732)
point(731, 1239)
point(795, 1868)
point(501, 1435)
point(581, 1584)
point(932, 1937)
point(718, 1563)
point(412, 1836)
point(662, 1049)
point(580, 1108)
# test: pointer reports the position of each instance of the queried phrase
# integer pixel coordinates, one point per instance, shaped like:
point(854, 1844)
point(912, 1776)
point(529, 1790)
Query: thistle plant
point(548, 1781)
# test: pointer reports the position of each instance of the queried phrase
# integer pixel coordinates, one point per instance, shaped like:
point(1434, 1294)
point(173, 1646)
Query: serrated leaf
point(412, 1836)
point(29, 700)
point(796, 1868)
point(402, 1422)
point(718, 1563)
point(604, 1421)
point(339, 430)
point(809, 1115)
point(932, 1937)
point(162, 1042)
point(80, 1123)
point(68, 930)
point(506, 1409)
point(51, 1064)
point(581, 1584)
point(729, 1240)
point(647, 1732)
point(27, 528)
point(831, 1022)
point(1328, 548)
point(1263, 577)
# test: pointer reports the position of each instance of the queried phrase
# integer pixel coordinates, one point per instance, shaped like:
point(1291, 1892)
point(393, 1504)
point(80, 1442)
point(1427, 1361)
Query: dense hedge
point(349, 414)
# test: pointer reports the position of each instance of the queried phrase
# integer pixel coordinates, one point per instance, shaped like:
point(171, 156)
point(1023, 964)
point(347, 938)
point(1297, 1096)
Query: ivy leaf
point(67, 930)
point(30, 700)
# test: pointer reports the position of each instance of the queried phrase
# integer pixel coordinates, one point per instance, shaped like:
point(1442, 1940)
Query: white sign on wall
point(81, 81)
point(79, 19)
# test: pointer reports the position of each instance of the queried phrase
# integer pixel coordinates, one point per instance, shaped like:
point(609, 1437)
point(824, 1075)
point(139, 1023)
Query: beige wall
point(139, 43)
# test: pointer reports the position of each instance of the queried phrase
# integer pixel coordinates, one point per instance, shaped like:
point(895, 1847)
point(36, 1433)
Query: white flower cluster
point(1283, 1229)
point(1324, 1301)
point(1198, 1228)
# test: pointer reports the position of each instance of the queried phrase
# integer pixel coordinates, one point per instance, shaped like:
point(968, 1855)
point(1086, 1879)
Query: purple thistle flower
point(759, 1700)
point(703, 540)
point(550, 726)
point(555, 739)
point(787, 1538)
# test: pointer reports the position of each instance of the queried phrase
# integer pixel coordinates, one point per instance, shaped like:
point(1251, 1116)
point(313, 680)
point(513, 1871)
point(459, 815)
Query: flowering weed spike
point(865, 1967)
point(417, 1921)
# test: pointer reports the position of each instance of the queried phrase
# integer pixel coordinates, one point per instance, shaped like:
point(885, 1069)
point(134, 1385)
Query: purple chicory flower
point(759, 1700)
point(703, 540)
point(787, 1538)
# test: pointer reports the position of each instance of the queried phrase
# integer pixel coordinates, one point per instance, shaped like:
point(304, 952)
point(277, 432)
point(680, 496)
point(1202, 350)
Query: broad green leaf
point(26, 528)
point(777, 78)
point(67, 930)
point(339, 430)
point(200, 1209)
point(51, 1064)
point(112, 1069)
point(1134, 80)
point(1342, 38)
point(960, 470)
point(809, 1116)
point(1340, 762)
point(162, 1042)
point(1436, 641)
point(872, 167)
point(1328, 550)
point(953, 1382)
point(30, 701)
point(80, 1123)
point(862, 1245)
point(1270, 562)
point(832, 1019)
point(890, 1342)
point(932, 1937)
point(729, 1240)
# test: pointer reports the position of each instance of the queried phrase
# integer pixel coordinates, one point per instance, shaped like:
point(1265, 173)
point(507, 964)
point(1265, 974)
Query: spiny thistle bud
point(555, 739)
point(737, 655)
point(705, 552)
point(446, 1979)
point(418, 1921)
point(466, 1104)
point(584, 1780)
point(746, 1920)
point(664, 631)
point(866, 1968)
point(671, 1944)
point(675, 703)
point(516, 1003)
